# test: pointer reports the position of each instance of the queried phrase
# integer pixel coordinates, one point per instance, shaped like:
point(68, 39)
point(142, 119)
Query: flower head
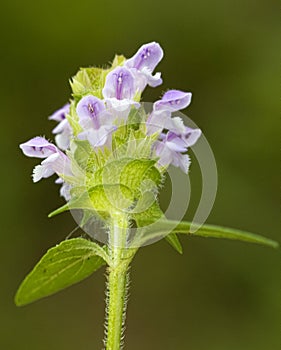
point(104, 122)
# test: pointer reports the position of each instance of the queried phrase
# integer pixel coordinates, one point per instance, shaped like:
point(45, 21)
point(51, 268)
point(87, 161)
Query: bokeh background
point(220, 294)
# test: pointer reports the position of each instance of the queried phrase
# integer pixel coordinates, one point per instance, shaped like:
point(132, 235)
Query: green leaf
point(148, 216)
point(99, 199)
point(134, 172)
point(163, 227)
point(78, 201)
point(69, 262)
point(174, 241)
point(107, 198)
point(125, 171)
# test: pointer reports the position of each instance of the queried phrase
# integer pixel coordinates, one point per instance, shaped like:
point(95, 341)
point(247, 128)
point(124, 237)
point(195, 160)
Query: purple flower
point(99, 137)
point(172, 145)
point(56, 161)
point(65, 189)
point(63, 130)
point(38, 147)
point(143, 64)
point(173, 100)
point(161, 116)
point(119, 84)
point(119, 92)
point(169, 152)
point(89, 110)
point(147, 56)
point(157, 121)
point(190, 136)
point(97, 123)
point(60, 114)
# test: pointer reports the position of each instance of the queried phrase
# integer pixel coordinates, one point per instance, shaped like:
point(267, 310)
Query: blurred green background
point(220, 294)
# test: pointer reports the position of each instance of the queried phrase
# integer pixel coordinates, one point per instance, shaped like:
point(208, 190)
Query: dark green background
point(219, 295)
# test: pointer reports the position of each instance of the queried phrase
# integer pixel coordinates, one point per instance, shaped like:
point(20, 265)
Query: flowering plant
point(110, 157)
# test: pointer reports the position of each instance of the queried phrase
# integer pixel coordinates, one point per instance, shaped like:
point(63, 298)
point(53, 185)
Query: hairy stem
point(117, 283)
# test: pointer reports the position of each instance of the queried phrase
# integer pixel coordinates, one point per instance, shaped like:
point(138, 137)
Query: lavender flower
point(172, 145)
point(119, 84)
point(96, 122)
point(56, 161)
point(143, 64)
point(190, 136)
point(65, 189)
point(89, 110)
point(63, 130)
point(173, 100)
point(169, 150)
point(38, 147)
point(161, 116)
point(119, 92)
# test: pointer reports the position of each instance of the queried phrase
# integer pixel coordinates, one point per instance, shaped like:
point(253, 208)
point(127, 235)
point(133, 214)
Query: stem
point(117, 282)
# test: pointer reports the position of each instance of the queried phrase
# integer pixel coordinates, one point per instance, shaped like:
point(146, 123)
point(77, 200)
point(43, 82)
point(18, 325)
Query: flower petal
point(98, 137)
point(56, 163)
point(173, 100)
point(182, 161)
point(60, 114)
point(41, 171)
point(88, 110)
point(191, 136)
point(148, 56)
point(157, 121)
point(63, 139)
point(61, 126)
point(152, 80)
point(38, 147)
point(175, 143)
point(119, 84)
point(120, 108)
point(65, 191)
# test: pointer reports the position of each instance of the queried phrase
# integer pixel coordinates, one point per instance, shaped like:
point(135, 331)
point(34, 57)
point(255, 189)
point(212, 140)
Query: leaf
point(69, 262)
point(79, 201)
point(107, 198)
point(148, 216)
point(126, 171)
point(174, 241)
point(134, 172)
point(154, 213)
point(99, 199)
point(163, 227)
